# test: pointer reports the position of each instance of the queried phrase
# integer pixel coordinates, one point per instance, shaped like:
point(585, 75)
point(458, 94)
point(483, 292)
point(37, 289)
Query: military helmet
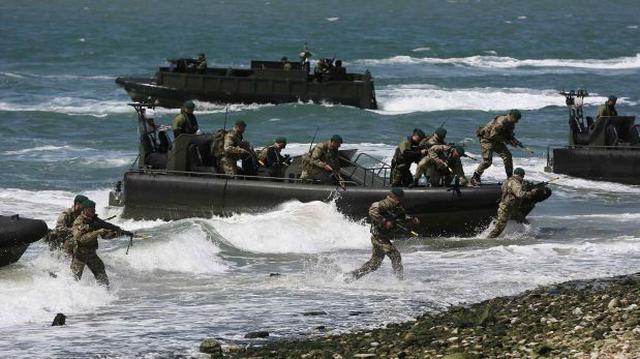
point(519, 171)
point(397, 191)
point(241, 123)
point(336, 138)
point(80, 198)
point(281, 140)
point(87, 203)
point(419, 132)
point(515, 114)
point(441, 132)
point(189, 105)
point(201, 54)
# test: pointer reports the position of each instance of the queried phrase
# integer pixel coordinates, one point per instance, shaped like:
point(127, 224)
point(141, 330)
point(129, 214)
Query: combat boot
point(475, 180)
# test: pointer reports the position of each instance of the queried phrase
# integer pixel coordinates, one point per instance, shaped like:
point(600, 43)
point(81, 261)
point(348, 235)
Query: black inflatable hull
point(615, 165)
point(170, 197)
point(16, 234)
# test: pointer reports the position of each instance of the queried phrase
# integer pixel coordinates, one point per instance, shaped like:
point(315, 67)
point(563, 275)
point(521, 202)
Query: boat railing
point(375, 175)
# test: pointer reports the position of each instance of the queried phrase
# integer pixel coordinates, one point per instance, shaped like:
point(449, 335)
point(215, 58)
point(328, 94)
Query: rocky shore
point(597, 318)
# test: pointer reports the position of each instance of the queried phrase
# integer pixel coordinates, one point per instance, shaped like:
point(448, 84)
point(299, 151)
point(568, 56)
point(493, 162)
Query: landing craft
point(264, 82)
point(16, 234)
point(179, 180)
point(608, 150)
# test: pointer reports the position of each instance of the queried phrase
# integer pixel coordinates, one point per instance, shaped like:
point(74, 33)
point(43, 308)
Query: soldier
point(201, 64)
point(270, 157)
point(437, 138)
point(512, 195)
point(86, 230)
point(185, 121)
point(606, 109)
point(493, 137)
point(443, 164)
point(406, 153)
point(385, 217)
point(59, 235)
point(234, 149)
point(323, 161)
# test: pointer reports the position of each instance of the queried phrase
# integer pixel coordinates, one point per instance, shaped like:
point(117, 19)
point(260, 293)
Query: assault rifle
point(544, 183)
point(401, 224)
point(517, 144)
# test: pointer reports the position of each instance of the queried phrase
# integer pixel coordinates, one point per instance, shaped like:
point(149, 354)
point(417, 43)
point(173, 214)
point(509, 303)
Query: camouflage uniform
point(426, 143)
point(234, 150)
point(512, 195)
point(437, 157)
point(201, 65)
point(314, 162)
point(62, 232)
point(381, 237)
point(493, 137)
point(270, 158)
point(86, 231)
point(184, 123)
point(604, 110)
point(406, 153)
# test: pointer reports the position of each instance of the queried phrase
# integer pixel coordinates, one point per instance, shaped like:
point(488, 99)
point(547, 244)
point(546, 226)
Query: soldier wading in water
point(386, 217)
point(87, 228)
point(58, 236)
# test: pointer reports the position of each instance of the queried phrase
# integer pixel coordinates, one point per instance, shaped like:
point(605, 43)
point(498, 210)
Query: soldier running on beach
point(387, 216)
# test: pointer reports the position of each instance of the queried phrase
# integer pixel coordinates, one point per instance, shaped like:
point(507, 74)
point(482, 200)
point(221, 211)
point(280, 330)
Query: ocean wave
point(90, 157)
point(57, 76)
point(503, 62)
point(401, 99)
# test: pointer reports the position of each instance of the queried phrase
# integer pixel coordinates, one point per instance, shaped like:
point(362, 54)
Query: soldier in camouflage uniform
point(323, 161)
point(86, 229)
point(436, 138)
point(384, 216)
point(57, 237)
point(406, 153)
point(235, 148)
point(512, 195)
point(443, 164)
point(495, 136)
point(607, 109)
point(185, 121)
point(201, 64)
point(271, 158)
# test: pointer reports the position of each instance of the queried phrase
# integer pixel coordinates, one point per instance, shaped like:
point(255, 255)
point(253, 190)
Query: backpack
point(217, 146)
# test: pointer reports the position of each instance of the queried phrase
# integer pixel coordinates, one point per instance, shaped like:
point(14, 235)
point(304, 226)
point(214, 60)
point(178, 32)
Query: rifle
point(339, 180)
point(131, 236)
point(518, 145)
point(544, 183)
point(401, 224)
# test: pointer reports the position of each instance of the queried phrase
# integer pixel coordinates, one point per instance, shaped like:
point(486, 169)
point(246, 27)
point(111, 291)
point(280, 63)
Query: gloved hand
point(388, 224)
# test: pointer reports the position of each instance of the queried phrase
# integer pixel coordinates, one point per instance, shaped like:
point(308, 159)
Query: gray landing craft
point(265, 82)
point(179, 180)
point(607, 150)
point(16, 234)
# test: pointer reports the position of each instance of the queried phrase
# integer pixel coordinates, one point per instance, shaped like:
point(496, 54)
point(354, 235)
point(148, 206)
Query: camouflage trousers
point(90, 259)
point(401, 175)
point(228, 166)
point(381, 247)
point(501, 149)
point(504, 212)
point(319, 175)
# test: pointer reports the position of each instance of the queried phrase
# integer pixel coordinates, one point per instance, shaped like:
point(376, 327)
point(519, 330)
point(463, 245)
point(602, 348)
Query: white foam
point(401, 99)
point(29, 294)
point(187, 251)
point(332, 19)
point(293, 227)
point(71, 106)
point(502, 62)
point(420, 49)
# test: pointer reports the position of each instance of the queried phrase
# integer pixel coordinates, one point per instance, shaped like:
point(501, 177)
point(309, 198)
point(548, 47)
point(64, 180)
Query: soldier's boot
point(475, 180)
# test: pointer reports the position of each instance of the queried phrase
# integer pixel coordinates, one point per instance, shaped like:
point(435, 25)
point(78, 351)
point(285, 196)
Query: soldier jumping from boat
point(436, 138)
point(442, 165)
point(495, 136)
point(388, 220)
point(86, 229)
point(513, 194)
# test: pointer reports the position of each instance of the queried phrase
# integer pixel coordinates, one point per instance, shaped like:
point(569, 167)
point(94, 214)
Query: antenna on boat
point(314, 138)
point(226, 111)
